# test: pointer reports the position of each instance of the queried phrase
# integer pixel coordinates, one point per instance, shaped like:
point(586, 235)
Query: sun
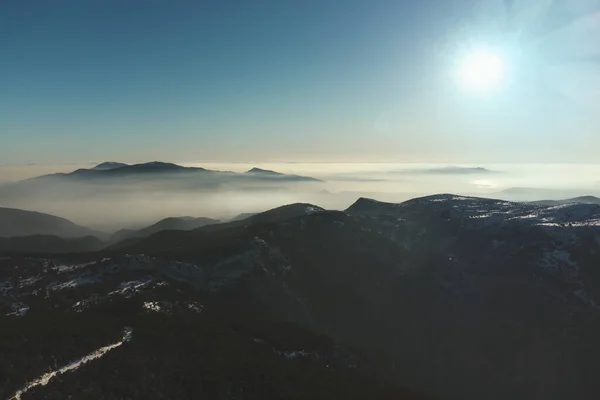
point(481, 71)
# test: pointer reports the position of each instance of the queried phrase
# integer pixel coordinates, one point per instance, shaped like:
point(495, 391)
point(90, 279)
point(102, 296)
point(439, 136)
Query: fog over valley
point(303, 200)
point(109, 201)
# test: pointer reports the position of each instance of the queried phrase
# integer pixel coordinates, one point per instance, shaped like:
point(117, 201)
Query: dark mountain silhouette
point(442, 284)
point(534, 194)
point(444, 294)
point(175, 346)
point(157, 167)
point(284, 212)
point(262, 171)
point(148, 177)
point(580, 199)
point(15, 222)
point(272, 174)
point(121, 187)
point(47, 244)
point(128, 240)
point(171, 223)
point(241, 217)
point(154, 167)
point(178, 224)
point(365, 206)
point(109, 165)
point(458, 170)
point(276, 214)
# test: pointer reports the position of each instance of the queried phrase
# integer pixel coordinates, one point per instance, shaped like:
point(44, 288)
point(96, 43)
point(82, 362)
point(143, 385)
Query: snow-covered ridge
point(47, 377)
point(482, 211)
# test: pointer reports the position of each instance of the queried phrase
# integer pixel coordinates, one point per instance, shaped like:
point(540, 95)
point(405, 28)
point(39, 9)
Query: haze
point(362, 95)
point(308, 199)
point(135, 203)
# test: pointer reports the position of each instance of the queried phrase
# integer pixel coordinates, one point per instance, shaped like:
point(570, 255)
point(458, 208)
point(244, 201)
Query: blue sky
point(339, 80)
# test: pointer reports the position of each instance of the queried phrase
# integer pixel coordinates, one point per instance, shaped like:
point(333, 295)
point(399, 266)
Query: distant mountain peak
point(267, 173)
point(109, 165)
point(459, 170)
point(158, 164)
point(16, 222)
point(285, 212)
point(586, 199)
point(571, 201)
point(256, 170)
point(165, 166)
point(185, 218)
point(367, 200)
point(111, 168)
point(184, 223)
point(368, 206)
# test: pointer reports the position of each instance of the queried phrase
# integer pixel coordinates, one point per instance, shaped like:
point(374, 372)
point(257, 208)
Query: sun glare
point(481, 71)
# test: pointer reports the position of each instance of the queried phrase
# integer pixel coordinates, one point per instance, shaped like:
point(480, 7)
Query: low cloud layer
point(136, 202)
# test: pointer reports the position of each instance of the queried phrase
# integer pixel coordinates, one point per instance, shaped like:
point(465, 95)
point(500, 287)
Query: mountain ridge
point(115, 169)
point(390, 281)
point(269, 173)
point(16, 222)
point(109, 165)
point(452, 291)
point(169, 223)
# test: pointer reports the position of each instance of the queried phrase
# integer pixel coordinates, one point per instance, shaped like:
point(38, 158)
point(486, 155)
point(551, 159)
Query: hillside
point(15, 222)
point(109, 165)
point(167, 224)
point(47, 244)
point(265, 173)
point(580, 199)
point(445, 295)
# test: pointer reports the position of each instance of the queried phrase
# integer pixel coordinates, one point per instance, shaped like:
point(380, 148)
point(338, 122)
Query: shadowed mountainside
point(15, 222)
point(446, 295)
point(47, 244)
point(167, 224)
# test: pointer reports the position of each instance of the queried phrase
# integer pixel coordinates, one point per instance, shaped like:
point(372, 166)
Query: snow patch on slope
point(20, 309)
point(84, 280)
point(47, 377)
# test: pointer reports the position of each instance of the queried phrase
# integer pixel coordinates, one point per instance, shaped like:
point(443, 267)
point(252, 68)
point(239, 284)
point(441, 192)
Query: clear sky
point(279, 80)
